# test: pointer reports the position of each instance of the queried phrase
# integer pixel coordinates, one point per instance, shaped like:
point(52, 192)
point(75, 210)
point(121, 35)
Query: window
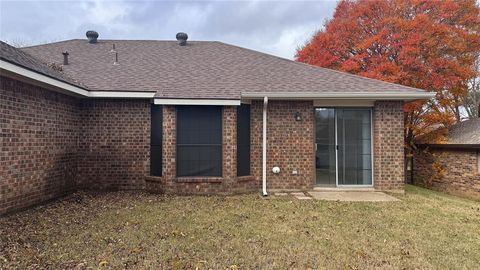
point(199, 141)
point(243, 140)
point(156, 120)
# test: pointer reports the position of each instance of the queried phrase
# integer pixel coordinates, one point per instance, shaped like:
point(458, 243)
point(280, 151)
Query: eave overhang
point(408, 96)
point(450, 146)
point(24, 74)
point(12, 70)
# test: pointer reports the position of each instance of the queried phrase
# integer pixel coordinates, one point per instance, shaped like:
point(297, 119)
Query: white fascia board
point(219, 102)
point(120, 94)
point(344, 95)
point(42, 78)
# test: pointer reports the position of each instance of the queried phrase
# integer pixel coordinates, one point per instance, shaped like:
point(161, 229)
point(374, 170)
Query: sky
point(274, 27)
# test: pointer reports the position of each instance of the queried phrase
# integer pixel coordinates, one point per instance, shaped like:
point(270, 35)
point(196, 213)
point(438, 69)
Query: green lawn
point(144, 231)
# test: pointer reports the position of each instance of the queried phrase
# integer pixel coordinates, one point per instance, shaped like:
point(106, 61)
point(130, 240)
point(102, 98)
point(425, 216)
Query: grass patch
point(426, 229)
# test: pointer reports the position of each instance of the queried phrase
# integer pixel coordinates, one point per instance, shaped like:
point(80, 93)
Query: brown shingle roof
point(201, 69)
point(20, 58)
point(463, 133)
point(466, 132)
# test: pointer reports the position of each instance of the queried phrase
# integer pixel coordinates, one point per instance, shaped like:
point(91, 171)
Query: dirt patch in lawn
point(136, 230)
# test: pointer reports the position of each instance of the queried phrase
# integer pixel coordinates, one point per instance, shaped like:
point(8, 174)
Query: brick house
point(448, 160)
point(192, 117)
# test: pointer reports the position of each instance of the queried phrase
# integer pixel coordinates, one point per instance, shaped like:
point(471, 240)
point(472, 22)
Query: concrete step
point(343, 189)
point(360, 196)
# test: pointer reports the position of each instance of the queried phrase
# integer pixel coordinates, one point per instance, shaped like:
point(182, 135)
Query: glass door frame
point(336, 144)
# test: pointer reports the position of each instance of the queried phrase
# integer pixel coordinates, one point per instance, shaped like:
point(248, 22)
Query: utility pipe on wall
point(264, 147)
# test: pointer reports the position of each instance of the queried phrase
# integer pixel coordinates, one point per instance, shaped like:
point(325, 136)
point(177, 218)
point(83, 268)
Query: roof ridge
point(110, 40)
point(50, 43)
point(318, 67)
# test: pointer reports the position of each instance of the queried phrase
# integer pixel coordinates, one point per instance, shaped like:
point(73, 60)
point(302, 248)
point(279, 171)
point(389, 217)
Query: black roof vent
point(92, 36)
point(182, 38)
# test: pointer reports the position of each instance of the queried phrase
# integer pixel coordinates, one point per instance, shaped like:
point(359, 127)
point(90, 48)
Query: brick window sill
point(199, 179)
point(150, 178)
point(246, 178)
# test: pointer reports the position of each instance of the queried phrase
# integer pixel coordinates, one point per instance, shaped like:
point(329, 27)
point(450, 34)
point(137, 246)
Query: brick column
point(388, 136)
point(169, 145)
point(229, 146)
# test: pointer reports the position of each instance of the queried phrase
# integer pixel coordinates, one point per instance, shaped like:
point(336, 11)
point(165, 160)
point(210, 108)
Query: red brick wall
point(451, 171)
point(52, 144)
point(38, 140)
point(388, 145)
point(290, 144)
point(114, 146)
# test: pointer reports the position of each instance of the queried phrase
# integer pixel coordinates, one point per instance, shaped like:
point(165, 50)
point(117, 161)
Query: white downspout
point(264, 148)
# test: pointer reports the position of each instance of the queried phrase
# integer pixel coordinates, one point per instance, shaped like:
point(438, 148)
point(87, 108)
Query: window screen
point(243, 140)
point(156, 140)
point(199, 141)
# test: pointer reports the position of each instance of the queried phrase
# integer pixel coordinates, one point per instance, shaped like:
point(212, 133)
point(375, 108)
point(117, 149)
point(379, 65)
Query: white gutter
point(339, 95)
point(264, 148)
point(220, 102)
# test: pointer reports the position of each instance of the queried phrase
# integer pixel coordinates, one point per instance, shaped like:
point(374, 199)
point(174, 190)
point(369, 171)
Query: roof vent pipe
point(65, 58)
point(182, 38)
point(115, 63)
point(92, 36)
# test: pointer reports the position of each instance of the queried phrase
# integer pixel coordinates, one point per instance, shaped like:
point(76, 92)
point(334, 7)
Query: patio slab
point(352, 196)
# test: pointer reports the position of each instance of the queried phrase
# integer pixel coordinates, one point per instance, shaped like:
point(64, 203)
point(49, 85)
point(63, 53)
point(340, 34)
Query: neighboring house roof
point(201, 70)
point(463, 134)
point(20, 58)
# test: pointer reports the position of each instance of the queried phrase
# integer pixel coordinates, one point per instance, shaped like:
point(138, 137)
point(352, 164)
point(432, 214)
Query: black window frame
point(215, 147)
point(156, 139)
point(243, 140)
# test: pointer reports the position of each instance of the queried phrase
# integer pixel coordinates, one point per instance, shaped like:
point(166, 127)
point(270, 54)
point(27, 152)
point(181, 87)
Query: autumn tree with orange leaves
point(425, 44)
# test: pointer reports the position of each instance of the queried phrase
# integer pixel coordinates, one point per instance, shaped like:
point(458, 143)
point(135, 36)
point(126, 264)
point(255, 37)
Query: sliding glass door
point(354, 147)
point(343, 146)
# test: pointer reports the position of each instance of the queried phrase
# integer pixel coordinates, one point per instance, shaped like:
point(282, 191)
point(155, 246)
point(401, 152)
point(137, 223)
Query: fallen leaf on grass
point(199, 264)
point(177, 264)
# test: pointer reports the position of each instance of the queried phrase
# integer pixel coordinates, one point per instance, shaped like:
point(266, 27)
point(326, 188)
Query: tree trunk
point(409, 142)
point(458, 117)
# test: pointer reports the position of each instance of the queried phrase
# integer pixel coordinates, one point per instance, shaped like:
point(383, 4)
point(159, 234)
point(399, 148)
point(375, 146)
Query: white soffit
point(220, 102)
point(120, 94)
